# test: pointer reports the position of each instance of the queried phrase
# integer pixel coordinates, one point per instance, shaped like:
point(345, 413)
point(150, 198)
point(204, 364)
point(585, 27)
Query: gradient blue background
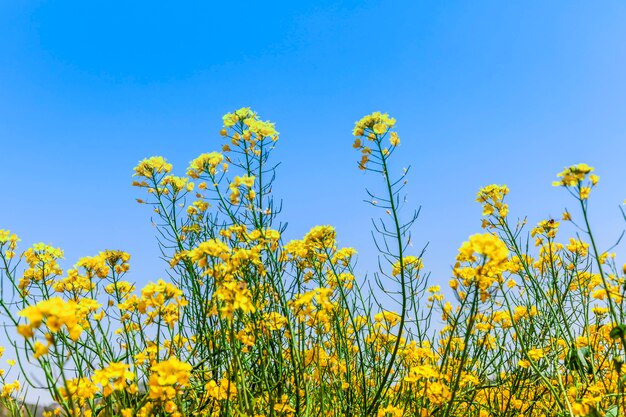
point(483, 91)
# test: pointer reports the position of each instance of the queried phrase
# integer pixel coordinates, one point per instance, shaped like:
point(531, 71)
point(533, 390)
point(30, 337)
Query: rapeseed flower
point(147, 168)
point(167, 378)
point(574, 175)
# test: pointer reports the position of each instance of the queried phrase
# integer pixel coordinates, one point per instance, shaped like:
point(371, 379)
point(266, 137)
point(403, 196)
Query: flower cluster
point(57, 313)
point(373, 128)
point(149, 167)
point(248, 324)
point(9, 240)
point(575, 176)
point(492, 199)
point(481, 261)
point(167, 379)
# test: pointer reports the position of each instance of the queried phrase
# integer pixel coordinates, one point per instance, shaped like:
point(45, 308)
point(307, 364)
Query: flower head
point(147, 168)
point(573, 175)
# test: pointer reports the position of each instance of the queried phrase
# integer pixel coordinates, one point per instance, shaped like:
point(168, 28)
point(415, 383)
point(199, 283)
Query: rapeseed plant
point(251, 325)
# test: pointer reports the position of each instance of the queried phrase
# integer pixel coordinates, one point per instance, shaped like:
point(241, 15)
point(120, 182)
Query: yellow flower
point(147, 168)
point(234, 296)
point(599, 294)
point(343, 256)
point(491, 262)
point(376, 122)
point(40, 349)
point(274, 321)
point(207, 162)
point(230, 119)
point(25, 330)
point(320, 237)
point(223, 390)
point(283, 406)
point(81, 389)
point(42, 264)
point(97, 266)
point(11, 238)
point(58, 313)
point(492, 197)
point(535, 354)
point(394, 139)
point(177, 183)
point(600, 310)
point(438, 393)
point(74, 283)
point(114, 377)
point(572, 175)
point(254, 125)
point(167, 378)
point(245, 180)
point(262, 129)
point(9, 389)
point(379, 128)
point(163, 299)
point(212, 248)
point(579, 409)
point(547, 228)
point(584, 193)
point(411, 263)
point(578, 247)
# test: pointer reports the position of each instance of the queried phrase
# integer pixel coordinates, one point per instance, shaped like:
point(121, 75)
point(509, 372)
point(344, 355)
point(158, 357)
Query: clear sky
point(483, 91)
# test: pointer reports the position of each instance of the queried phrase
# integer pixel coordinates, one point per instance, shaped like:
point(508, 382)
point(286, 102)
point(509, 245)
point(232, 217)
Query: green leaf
point(618, 332)
point(577, 359)
point(611, 412)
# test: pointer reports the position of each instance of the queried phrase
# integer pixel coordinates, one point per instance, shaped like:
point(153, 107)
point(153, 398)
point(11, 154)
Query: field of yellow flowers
point(251, 325)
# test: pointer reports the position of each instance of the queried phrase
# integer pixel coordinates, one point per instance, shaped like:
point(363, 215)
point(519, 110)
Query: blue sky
point(484, 92)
